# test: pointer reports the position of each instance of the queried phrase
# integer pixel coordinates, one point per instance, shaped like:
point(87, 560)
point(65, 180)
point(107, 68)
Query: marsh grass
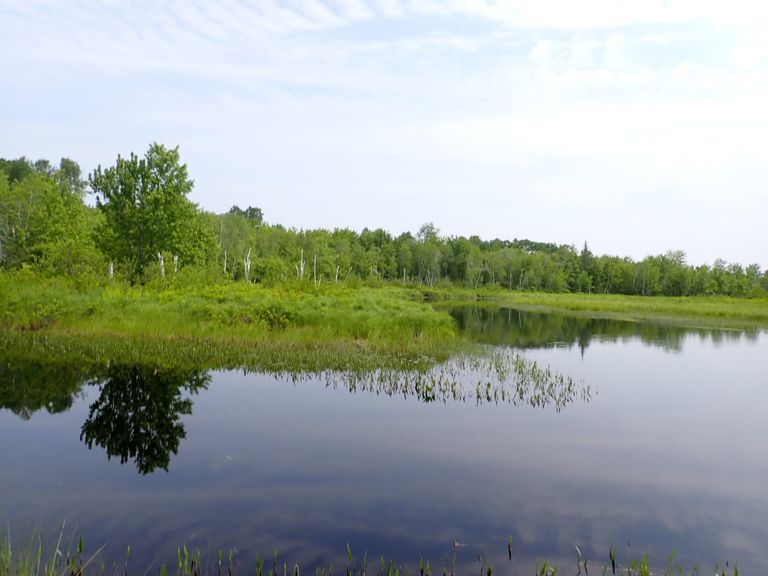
point(486, 376)
point(227, 326)
point(62, 558)
point(699, 311)
point(67, 557)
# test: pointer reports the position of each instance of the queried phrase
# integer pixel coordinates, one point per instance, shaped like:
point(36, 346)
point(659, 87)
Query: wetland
point(558, 430)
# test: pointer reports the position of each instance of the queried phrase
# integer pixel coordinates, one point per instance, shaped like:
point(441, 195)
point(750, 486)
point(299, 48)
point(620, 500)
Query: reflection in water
point(265, 464)
point(137, 415)
point(28, 387)
point(529, 329)
point(497, 376)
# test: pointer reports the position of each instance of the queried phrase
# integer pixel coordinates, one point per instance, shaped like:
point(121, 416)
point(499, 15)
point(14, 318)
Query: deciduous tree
point(146, 210)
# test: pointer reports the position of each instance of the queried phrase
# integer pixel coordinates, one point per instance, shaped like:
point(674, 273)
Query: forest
point(134, 221)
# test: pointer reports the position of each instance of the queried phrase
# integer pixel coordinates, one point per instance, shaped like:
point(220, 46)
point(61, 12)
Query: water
point(666, 452)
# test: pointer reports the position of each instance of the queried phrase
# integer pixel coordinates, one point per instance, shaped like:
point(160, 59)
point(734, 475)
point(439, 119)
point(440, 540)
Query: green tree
point(45, 226)
point(16, 169)
point(69, 178)
point(252, 214)
point(146, 211)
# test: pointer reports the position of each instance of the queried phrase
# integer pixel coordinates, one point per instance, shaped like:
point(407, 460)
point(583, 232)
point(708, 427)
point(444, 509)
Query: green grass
point(292, 326)
point(702, 311)
point(234, 325)
point(67, 557)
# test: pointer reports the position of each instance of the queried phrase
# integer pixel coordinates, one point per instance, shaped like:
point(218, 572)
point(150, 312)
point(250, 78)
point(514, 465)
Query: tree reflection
point(28, 387)
point(530, 329)
point(138, 413)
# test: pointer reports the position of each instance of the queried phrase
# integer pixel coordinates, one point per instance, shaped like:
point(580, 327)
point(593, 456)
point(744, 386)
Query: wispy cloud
point(426, 98)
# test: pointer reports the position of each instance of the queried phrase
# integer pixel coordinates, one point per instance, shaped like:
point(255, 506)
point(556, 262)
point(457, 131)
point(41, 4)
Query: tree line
point(144, 226)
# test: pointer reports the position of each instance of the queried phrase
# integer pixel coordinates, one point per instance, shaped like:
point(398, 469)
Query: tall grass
point(326, 327)
point(226, 326)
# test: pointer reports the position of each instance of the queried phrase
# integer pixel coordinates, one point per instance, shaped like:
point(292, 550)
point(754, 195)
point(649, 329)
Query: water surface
point(666, 452)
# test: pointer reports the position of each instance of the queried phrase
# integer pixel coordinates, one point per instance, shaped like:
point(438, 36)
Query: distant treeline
point(143, 226)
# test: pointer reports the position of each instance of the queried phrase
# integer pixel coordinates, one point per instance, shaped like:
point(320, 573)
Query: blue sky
point(637, 126)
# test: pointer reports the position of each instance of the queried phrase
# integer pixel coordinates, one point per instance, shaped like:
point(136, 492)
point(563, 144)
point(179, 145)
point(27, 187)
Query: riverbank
point(227, 326)
point(701, 311)
point(292, 326)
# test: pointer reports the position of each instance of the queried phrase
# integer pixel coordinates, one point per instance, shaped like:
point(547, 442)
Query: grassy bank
point(288, 327)
point(703, 311)
point(292, 327)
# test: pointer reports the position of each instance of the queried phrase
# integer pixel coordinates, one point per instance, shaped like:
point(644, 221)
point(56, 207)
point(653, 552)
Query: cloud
point(430, 99)
point(390, 8)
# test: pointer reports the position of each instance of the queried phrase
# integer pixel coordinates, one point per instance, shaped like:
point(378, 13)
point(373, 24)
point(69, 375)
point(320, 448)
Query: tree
point(252, 214)
point(146, 210)
point(69, 179)
point(45, 226)
point(16, 169)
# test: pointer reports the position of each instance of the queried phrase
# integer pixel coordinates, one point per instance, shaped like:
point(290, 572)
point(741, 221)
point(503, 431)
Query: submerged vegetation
point(486, 377)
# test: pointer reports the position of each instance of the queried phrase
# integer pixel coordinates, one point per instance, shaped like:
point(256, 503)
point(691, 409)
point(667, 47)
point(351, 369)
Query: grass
point(292, 327)
point(702, 311)
point(65, 558)
point(234, 325)
point(331, 326)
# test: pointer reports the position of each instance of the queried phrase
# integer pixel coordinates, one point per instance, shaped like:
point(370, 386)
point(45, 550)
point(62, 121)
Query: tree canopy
point(147, 212)
point(143, 210)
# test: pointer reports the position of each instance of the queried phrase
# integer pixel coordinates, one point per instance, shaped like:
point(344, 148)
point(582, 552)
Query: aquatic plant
point(65, 558)
point(492, 376)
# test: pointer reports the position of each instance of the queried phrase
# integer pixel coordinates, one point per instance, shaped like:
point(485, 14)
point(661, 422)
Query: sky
point(637, 126)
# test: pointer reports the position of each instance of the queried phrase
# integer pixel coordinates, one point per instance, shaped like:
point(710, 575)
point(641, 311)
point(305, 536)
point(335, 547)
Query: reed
point(65, 558)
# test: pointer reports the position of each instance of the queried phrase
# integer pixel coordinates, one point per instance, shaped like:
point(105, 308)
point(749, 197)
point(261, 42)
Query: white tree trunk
point(248, 266)
point(175, 263)
point(161, 260)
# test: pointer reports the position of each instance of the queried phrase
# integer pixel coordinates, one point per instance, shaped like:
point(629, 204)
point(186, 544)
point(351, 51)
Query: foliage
point(147, 212)
point(44, 223)
point(144, 213)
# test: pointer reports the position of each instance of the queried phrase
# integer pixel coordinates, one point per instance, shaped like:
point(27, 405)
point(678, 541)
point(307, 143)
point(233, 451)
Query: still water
point(666, 451)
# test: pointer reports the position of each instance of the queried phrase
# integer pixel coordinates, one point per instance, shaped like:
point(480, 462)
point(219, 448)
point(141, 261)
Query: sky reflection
point(667, 455)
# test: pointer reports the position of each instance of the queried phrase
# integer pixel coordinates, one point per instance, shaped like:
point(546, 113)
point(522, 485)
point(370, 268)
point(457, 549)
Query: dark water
point(667, 452)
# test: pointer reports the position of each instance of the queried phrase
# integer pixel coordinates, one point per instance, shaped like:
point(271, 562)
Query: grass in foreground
point(65, 558)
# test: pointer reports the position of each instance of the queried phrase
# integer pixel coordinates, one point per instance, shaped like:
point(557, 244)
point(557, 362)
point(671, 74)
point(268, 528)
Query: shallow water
point(665, 453)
